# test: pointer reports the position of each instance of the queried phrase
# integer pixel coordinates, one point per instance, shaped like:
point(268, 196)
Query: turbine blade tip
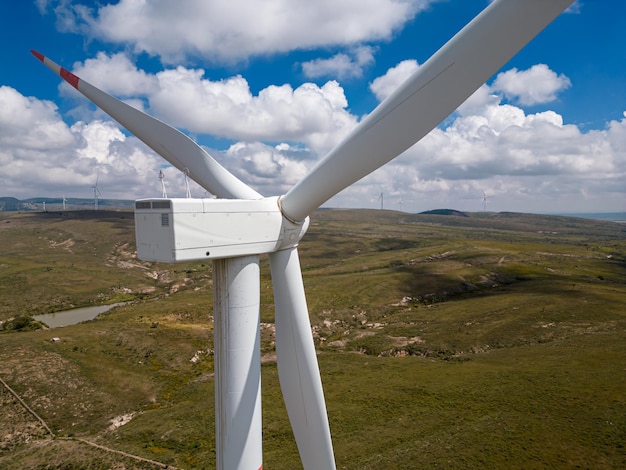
point(39, 55)
point(65, 74)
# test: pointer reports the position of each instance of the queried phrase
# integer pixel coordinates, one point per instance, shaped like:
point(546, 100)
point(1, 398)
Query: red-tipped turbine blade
point(170, 143)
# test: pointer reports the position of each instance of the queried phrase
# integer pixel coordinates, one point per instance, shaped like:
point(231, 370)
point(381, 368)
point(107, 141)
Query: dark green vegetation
point(488, 341)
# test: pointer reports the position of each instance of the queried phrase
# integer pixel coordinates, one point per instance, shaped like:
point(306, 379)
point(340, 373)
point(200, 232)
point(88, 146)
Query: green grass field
point(489, 341)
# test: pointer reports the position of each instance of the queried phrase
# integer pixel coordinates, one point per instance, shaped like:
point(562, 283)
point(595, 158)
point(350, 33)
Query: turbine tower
point(187, 188)
point(239, 226)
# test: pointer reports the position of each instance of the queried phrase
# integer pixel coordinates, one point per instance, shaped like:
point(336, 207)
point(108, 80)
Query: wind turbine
point(381, 198)
point(162, 179)
point(485, 197)
point(236, 229)
point(96, 193)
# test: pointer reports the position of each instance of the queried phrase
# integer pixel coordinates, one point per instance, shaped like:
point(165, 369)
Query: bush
point(22, 323)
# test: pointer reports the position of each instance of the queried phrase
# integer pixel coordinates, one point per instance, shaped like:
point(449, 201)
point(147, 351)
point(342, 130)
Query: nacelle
point(171, 230)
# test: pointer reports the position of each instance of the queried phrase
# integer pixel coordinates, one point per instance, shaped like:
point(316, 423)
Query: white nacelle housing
point(171, 230)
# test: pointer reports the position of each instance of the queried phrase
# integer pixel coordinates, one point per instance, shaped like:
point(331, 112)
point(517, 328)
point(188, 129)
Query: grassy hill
point(487, 341)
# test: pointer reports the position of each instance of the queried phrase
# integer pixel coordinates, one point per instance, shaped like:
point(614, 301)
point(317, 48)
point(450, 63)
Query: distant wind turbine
point(96, 193)
point(162, 179)
point(237, 228)
point(381, 198)
point(485, 197)
point(187, 188)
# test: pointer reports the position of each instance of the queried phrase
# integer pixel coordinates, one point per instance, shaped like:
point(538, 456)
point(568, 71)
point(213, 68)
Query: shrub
point(22, 323)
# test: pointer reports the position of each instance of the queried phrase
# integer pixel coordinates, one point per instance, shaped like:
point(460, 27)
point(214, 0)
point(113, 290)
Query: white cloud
point(42, 6)
point(480, 99)
point(40, 155)
point(30, 124)
point(70, 17)
point(237, 29)
point(386, 84)
point(314, 115)
point(535, 85)
point(228, 109)
point(116, 75)
point(340, 66)
point(527, 162)
point(524, 161)
point(503, 140)
point(270, 169)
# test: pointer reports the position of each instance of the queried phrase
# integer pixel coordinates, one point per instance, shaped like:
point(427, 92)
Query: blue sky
point(269, 91)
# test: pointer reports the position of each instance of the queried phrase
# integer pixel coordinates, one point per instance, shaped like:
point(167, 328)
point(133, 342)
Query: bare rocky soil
point(19, 427)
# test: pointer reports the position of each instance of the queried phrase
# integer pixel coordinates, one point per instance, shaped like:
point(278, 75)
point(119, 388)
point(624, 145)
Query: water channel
point(74, 316)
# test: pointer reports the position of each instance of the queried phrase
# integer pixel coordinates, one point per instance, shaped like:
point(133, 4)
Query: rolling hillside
point(483, 341)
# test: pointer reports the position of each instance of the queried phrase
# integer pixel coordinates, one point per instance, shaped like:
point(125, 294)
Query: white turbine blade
point(297, 363)
point(436, 89)
point(171, 144)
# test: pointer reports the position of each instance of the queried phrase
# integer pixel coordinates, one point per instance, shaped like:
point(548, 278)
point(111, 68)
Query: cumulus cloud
point(270, 169)
point(271, 137)
point(536, 85)
point(237, 29)
point(447, 169)
point(520, 159)
point(28, 123)
point(227, 108)
point(185, 98)
point(41, 155)
point(117, 75)
point(478, 101)
point(386, 84)
point(341, 65)
point(276, 135)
